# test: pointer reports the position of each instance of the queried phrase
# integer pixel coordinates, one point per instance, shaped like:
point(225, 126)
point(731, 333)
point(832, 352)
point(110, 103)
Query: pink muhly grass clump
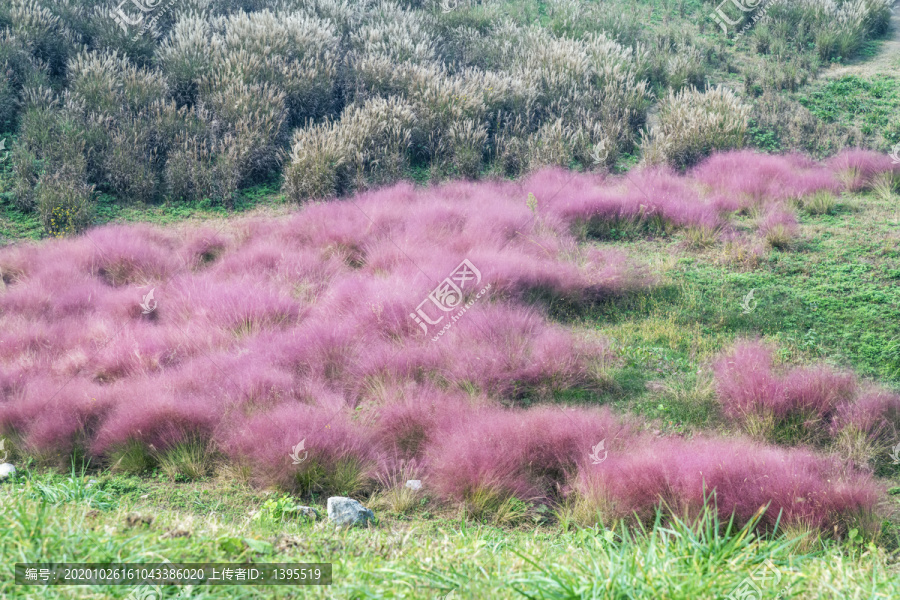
point(778, 227)
point(875, 413)
point(857, 167)
point(746, 384)
point(510, 353)
point(304, 447)
point(144, 412)
point(642, 196)
point(805, 489)
point(202, 247)
point(407, 422)
point(52, 420)
point(133, 254)
point(760, 177)
point(865, 430)
point(817, 391)
point(809, 404)
point(242, 305)
point(495, 454)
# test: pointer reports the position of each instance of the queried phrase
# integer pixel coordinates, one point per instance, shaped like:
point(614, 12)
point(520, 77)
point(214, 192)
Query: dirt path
point(886, 62)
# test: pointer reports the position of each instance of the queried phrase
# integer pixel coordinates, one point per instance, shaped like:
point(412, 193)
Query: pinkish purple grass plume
point(275, 331)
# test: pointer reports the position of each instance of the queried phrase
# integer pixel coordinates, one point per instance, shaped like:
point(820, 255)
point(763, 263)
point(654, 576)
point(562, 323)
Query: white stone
point(348, 512)
point(7, 470)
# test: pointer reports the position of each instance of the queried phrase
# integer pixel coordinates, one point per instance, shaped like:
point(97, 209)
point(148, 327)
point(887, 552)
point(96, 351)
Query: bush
point(368, 146)
point(64, 202)
point(692, 124)
point(796, 128)
point(317, 158)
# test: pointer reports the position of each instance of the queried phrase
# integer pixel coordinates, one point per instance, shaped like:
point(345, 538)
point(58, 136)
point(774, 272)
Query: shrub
point(190, 172)
point(692, 124)
point(317, 157)
point(42, 32)
point(796, 128)
point(369, 145)
point(64, 202)
point(467, 144)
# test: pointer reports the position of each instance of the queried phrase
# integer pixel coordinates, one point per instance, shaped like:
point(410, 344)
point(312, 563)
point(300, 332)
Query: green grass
point(15, 224)
point(147, 521)
point(871, 104)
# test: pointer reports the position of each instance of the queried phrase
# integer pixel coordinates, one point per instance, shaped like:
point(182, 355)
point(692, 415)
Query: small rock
point(348, 512)
point(414, 484)
point(7, 471)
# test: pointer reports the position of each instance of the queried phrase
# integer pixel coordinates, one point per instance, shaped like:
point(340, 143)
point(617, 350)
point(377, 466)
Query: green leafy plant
point(280, 509)
point(74, 489)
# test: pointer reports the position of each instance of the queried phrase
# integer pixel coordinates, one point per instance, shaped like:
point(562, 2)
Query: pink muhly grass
point(331, 443)
point(817, 391)
point(527, 454)
point(746, 384)
point(875, 413)
point(52, 420)
point(408, 421)
point(202, 247)
point(241, 306)
point(805, 404)
point(778, 226)
point(801, 487)
point(133, 254)
point(277, 329)
point(640, 197)
point(760, 177)
point(512, 353)
point(144, 412)
point(857, 167)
